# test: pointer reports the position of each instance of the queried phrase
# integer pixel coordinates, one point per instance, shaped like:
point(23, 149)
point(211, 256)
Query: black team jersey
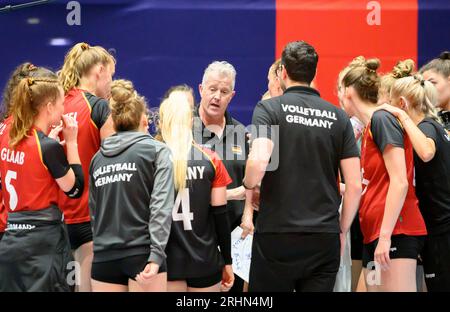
point(311, 137)
point(433, 179)
point(192, 250)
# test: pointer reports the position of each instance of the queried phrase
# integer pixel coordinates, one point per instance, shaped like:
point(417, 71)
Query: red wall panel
point(339, 31)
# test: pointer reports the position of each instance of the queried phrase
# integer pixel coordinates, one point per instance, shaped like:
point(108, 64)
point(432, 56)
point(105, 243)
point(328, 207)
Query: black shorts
point(79, 234)
point(121, 270)
point(356, 240)
point(37, 259)
point(436, 262)
point(205, 281)
point(294, 261)
point(402, 247)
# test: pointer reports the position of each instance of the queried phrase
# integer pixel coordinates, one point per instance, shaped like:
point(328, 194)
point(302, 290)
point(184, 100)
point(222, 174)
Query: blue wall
point(157, 43)
point(167, 42)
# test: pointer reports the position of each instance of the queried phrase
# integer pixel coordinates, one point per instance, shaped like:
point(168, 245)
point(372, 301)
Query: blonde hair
point(357, 61)
point(79, 61)
point(127, 106)
point(29, 96)
point(362, 76)
point(175, 115)
point(421, 94)
point(266, 96)
point(402, 69)
point(275, 67)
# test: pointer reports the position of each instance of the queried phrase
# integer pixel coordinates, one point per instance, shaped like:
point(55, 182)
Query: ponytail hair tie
point(84, 46)
point(420, 80)
point(445, 56)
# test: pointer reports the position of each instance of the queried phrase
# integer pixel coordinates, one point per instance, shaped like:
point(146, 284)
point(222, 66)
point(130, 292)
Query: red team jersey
point(29, 171)
point(376, 184)
point(91, 113)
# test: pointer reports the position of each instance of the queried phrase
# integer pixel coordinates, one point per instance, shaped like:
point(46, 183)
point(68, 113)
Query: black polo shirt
point(433, 179)
point(302, 193)
point(232, 148)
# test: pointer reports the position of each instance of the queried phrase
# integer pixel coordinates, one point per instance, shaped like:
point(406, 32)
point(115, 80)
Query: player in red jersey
point(21, 71)
point(86, 77)
point(392, 225)
point(200, 221)
point(35, 251)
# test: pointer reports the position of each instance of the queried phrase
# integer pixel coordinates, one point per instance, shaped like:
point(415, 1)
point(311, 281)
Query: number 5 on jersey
point(186, 216)
point(11, 175)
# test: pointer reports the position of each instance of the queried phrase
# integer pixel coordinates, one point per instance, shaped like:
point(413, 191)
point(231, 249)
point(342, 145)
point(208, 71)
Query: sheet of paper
point(241, 251)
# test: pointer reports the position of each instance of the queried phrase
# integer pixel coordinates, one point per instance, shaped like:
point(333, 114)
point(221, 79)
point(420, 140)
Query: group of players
point(82, 180)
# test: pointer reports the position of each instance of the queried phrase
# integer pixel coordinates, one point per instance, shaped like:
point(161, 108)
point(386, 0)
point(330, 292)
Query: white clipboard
point(241, 252)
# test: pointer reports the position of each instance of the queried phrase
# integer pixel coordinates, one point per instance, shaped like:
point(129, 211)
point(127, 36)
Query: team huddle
point(83, 181)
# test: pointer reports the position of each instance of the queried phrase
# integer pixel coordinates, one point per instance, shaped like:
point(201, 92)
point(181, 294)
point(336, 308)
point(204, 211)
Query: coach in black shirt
point(214, 128)
point(301, 142)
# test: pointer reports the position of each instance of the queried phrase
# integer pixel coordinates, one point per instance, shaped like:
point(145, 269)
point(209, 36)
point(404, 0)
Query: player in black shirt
point(296, 244)
point(437, 71)
point(200, 220)
point(431, 144)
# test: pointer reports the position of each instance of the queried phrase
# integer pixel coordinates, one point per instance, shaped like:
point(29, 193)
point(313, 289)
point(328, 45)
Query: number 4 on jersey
point(186, 216)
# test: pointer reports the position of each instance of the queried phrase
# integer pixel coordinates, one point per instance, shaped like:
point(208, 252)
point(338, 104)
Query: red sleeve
point(221, 178)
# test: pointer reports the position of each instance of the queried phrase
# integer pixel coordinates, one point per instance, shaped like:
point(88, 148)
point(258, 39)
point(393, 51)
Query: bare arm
point(247, 216)
point(351, 171)
point(394, 160)
point(107, 129)
point(424, 147)
point(70, 132)
point(219, 196)
point(257, 162)
point(237, 193)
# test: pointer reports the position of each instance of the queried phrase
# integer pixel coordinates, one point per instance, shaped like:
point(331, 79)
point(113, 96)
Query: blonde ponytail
point(401, 69)
point(176, 130)
point(421, 94)
point(79, 61)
